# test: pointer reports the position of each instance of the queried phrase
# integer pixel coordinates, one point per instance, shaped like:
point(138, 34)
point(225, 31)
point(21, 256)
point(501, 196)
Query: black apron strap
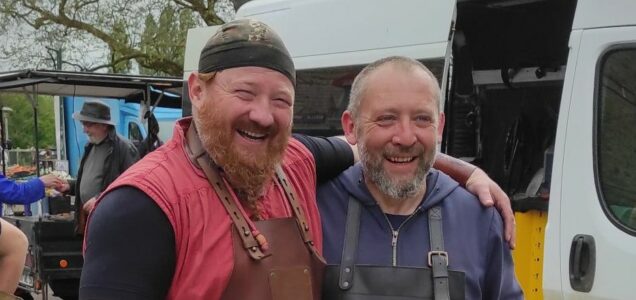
point(437, 257)
point(350, 247)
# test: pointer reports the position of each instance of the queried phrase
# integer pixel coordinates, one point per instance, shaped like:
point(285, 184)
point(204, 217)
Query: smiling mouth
point(400, 160)
point(252, 135)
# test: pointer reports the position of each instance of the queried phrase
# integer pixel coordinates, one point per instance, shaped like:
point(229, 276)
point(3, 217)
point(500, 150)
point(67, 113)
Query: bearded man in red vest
point(226, 209)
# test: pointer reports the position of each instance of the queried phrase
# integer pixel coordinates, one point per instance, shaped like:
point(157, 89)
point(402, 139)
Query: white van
point(541, 94)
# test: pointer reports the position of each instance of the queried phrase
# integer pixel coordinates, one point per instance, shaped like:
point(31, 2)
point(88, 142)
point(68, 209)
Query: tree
point(115, 33)
point(166, 37)
point(21, 123)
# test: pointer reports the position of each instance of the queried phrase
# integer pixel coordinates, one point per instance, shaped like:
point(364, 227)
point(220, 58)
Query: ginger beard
point(395, 188)
point(248, 171)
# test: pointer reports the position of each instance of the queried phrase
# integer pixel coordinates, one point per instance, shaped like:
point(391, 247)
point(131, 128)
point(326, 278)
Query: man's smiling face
point(244, 117)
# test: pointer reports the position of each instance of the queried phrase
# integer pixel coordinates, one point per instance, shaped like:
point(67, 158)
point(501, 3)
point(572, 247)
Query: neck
point(402, 206)
point(244, 193)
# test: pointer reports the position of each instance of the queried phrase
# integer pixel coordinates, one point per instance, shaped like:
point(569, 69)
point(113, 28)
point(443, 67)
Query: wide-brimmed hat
point(94, 111)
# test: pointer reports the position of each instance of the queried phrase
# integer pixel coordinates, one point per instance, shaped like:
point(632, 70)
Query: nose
point(405, 135)
point(261, 113)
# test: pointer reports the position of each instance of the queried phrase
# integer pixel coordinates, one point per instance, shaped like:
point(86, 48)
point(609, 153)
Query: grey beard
point(96, 141)
point(372, 168)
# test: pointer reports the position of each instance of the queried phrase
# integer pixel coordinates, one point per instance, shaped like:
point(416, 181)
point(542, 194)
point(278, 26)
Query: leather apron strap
point(201, 158)
point(437, 257)
point(350, 247)
point(298, 210)
point(386, 282)
point(291, 269)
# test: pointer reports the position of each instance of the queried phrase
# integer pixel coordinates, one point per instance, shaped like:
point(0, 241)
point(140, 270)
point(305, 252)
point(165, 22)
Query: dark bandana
point(244, 43)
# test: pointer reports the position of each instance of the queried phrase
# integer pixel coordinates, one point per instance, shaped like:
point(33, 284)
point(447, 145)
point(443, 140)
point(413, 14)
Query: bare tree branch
point(205, 11)
point(161, 64)
point(113, 31)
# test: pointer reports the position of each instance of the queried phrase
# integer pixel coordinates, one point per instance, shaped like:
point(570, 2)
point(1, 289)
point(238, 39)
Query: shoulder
point(123, 142)
point(463, 205)
point(298, 159)
point(297, 151)
point(341, 185)
point(453, 190)
point(161, 170)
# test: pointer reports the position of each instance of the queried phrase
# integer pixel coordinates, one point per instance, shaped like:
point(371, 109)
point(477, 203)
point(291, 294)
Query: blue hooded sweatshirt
point(20, 193)
point(473, 234)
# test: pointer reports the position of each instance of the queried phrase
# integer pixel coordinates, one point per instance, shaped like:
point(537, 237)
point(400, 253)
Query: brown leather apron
point(290, 269)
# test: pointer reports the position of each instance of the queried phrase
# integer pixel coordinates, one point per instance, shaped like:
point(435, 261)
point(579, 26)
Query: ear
point(440, 126)
point(195, 90)
point(349, 128)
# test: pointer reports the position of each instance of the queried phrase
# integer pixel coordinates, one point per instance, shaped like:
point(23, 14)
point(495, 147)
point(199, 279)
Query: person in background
point(13, 250)
point(393, 226)
point(13, 243)
point(106, 155)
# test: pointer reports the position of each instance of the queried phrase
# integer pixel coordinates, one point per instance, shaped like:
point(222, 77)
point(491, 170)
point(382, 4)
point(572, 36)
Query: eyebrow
point(244, 82)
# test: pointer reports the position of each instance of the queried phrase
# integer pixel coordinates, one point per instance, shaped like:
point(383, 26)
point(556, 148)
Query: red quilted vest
point(203, 242)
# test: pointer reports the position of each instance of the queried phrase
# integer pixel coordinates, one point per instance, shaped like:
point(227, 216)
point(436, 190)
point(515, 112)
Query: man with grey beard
point(106, 155)
point(393, 227)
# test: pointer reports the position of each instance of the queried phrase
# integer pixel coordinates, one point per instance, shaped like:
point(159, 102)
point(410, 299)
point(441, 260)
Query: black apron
point(349, 281)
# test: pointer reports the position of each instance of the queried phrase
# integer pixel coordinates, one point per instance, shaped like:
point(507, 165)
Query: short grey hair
point(359, 83)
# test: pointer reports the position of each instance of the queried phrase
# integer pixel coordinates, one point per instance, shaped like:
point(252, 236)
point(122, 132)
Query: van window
point(323, 94)
point(134, 133)
point(616, 136)
point(321, 97)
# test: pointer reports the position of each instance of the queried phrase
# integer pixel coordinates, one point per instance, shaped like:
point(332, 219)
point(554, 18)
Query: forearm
point(21, 193)
point(455, 168)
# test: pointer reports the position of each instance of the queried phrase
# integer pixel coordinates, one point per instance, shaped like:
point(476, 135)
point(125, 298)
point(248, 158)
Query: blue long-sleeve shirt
point(20, 193)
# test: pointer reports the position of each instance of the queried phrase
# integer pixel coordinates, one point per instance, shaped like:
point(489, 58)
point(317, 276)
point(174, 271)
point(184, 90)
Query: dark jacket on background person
point(473, 235)
point(122, 154)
